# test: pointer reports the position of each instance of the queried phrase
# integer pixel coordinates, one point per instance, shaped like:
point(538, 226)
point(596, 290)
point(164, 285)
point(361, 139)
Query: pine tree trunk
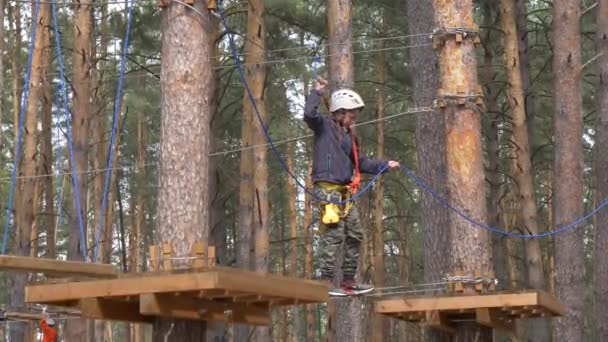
point(256, 74)
point(81, 63)
point(27, 207)
point(186, 90)
point(308, 257)
point(601, 171)
point(46, 156)
point(292, 198)
point(346, 323)
point(14, 14)
point(135, 238)
point(340, 48)
point(521, 14)
point(469, 247)
point(216, 331)
point(568, 166)
point(2, 83)
point(378, 323)
point(491, 130)
point(430, 143)
point(539, 329)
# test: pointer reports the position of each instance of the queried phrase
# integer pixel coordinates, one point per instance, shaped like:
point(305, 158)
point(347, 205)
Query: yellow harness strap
point(332, 213)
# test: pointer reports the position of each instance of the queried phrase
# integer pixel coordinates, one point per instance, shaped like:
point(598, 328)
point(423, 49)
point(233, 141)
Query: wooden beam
point(490, 319)
point(551, 304)
point(437, 320)
point(501, 300)
point(110, 310)
point(127, 286)
point(272, 286)
point(59, 268)
point(229, 283)
point(192, 309)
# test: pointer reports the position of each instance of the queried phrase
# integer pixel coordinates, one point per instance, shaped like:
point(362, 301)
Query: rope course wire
point(445, 203)
point(221, 153)
point(24, 99)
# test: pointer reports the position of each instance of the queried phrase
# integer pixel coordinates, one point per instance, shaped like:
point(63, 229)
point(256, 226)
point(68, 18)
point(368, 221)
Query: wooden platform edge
point(10, 263)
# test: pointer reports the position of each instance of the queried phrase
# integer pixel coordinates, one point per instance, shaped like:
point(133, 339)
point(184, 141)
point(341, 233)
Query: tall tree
point(2, 84)
point(256, 74)
point(522, 164)
point(345, 324)
point(469, 248)
point(521, 15)
point(81, 64)
point(430, 143)
point(186, 90)
point(568, 166)
point(25, 210)
point(378, 237)
point(601, 171)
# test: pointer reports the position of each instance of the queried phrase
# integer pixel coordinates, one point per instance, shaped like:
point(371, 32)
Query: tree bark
point(345, 324)
point(81, 64)
point(539, 329)
point(46, 154)
point(292, 199)
point(26, 208)
point(308, 257)
point(430, 146)
point(186, 83)
point(378, 323)
point(256, 74)
point(2, 83)
point(568, 166)
point(524, 65)
point(469, 246)
point(601, 171)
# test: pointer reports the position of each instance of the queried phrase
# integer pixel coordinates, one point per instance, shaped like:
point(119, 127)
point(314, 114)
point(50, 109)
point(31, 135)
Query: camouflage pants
point(347, 234)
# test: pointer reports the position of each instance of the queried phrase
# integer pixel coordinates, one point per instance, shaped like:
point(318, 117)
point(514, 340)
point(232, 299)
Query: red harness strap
point(354, 185)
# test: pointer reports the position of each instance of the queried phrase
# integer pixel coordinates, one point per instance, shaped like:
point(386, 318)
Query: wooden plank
point(198, 251)
point(490, 319)
point(437, 320)
point(110, 310)
point(188, 308)
point(154, 252)
point(25, 316)
point(128, 286)
point(274, 286)
point(457, 302)
point(56, 267)
point(167, 255)
point(551, 304)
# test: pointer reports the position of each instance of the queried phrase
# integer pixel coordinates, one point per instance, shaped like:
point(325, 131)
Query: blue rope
point(24, 99)
point(114, 128)
point(63, 89)
point(58, 164)
point(464, 216)
point(265, 127)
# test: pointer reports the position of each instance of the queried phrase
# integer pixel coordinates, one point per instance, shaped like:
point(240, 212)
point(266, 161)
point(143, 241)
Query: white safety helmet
point(345, 99)
point(50, 322)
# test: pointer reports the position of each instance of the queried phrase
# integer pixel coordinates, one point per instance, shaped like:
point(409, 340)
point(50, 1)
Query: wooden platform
point(216, 294)
point(56, 268)
point(495, 310)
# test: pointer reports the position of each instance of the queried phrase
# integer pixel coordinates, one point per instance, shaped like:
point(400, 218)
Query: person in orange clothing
point(49, 333)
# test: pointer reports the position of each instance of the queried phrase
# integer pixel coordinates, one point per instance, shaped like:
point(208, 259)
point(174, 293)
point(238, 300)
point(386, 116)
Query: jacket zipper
point(328, 162)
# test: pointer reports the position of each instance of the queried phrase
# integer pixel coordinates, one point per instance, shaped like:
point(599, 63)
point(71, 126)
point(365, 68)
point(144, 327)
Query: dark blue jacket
point(333, 160)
